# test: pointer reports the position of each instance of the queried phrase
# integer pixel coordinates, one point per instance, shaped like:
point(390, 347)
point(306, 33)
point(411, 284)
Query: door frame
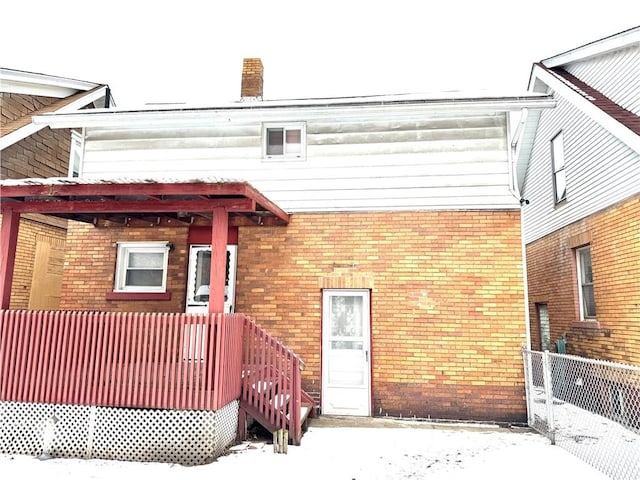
point(366, 295)
point(194, 306)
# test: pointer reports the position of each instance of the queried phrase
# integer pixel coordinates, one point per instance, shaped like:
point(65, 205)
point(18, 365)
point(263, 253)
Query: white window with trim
point(559, 173)
point(142, 267)
point(75, 154)
point(284, 141)
point(585, 284)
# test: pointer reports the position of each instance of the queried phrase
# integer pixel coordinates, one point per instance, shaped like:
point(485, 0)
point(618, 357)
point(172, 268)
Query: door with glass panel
point(346, 352)
point(198, 279)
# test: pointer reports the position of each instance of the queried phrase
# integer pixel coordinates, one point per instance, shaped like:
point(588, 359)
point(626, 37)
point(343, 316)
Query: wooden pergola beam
point(130, 206)
point(8, 243)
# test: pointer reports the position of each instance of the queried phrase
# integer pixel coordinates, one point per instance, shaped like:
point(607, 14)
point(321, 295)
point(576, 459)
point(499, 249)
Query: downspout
point(514, 189)
point(107, 98)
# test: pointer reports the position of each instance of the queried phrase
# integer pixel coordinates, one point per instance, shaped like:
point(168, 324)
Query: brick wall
point(41, 155)
point(90, 263)
point(614, 235)
point(446, 298)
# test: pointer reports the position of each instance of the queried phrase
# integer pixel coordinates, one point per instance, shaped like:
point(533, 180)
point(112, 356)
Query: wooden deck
point(152, 360)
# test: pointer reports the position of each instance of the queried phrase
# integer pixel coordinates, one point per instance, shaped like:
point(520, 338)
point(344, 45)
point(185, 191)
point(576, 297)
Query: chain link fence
point(589, 407)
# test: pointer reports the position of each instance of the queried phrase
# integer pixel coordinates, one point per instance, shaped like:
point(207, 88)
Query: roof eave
point(29, 83)
point(33, 127)
point(615, 42)
point(113, 117)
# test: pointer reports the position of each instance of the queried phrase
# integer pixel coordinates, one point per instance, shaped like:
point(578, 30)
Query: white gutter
point(28, 83)
point(582, 103)
point(257, 111)
point(33, 127)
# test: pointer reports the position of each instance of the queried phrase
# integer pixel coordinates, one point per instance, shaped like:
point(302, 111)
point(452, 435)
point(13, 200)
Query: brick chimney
point(251, 88)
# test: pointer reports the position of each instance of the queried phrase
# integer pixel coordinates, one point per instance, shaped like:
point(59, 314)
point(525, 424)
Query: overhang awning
point(141, 203)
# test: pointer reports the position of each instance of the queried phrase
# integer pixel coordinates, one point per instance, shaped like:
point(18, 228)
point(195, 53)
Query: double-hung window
point(142, 267)
point(284, 141)
point(585, 283)
point(559, 173)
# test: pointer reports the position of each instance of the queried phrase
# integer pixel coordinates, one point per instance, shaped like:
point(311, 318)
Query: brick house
point(30, 151)
point(579, 169)
point(378, 237)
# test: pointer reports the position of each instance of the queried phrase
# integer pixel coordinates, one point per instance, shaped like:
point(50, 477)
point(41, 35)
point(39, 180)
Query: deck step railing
point(271, 383)
point(152, 360)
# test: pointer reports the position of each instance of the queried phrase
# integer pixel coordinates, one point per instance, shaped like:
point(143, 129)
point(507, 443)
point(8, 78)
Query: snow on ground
point(411, 450)
point(587, 435)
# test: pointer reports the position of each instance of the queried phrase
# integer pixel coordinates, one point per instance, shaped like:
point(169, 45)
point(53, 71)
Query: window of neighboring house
point(142, 267)
point(284, 141)
point(545, 332)
point(559, 173)
point(75, 154)
point(585, 283)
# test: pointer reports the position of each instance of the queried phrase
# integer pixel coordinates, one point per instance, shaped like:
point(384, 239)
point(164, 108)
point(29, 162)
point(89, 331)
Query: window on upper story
point(141, 267)
point(284, 141)
point(75, 154)
point(585, 283)
point(559, 173)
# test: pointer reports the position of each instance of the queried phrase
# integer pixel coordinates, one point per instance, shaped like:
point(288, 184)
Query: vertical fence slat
point(22, 357)
point(145, 363)
point(107, 321)
point(172, 400)
point(209, 401)
point(154, 336)
point(30, 370)
point(42, 358)
point(217, 364)
point(163, 403)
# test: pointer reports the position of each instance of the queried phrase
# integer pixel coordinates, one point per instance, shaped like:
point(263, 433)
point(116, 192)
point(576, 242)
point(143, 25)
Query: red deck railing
point(271, 379)
point(152, 360)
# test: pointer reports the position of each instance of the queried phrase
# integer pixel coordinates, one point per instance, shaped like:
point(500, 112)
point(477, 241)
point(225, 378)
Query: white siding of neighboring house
point(615, 74)
point(600, 171)
point(357, 164)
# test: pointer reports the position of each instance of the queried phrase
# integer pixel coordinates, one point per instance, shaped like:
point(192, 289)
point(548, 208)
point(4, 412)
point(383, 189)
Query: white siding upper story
point(381, 157)
point(614, 74)
point(600, 171)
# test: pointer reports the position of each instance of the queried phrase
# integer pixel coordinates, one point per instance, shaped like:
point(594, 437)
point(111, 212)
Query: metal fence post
point(548, 393)
point(528, 384)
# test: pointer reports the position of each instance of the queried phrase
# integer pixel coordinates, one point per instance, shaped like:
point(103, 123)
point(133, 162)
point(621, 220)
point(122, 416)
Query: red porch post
point(219, 230)
point(8, 243)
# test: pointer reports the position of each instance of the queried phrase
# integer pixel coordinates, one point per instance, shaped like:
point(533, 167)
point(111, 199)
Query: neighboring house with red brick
point(579, 169)
point(36, 151)
point(378, 237)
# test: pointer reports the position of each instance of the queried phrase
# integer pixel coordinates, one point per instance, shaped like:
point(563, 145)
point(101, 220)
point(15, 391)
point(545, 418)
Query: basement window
point(284, 141)
point(142, 267)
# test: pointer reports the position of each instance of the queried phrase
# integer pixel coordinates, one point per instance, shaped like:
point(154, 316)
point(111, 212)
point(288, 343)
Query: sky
point(337, 453)
point(191, 51)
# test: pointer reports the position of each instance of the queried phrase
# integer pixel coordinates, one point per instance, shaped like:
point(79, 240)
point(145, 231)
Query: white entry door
point(345, 352)
point(198, 279)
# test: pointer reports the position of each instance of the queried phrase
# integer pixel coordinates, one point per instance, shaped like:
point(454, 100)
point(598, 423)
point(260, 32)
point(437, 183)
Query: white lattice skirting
point(186, 437)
